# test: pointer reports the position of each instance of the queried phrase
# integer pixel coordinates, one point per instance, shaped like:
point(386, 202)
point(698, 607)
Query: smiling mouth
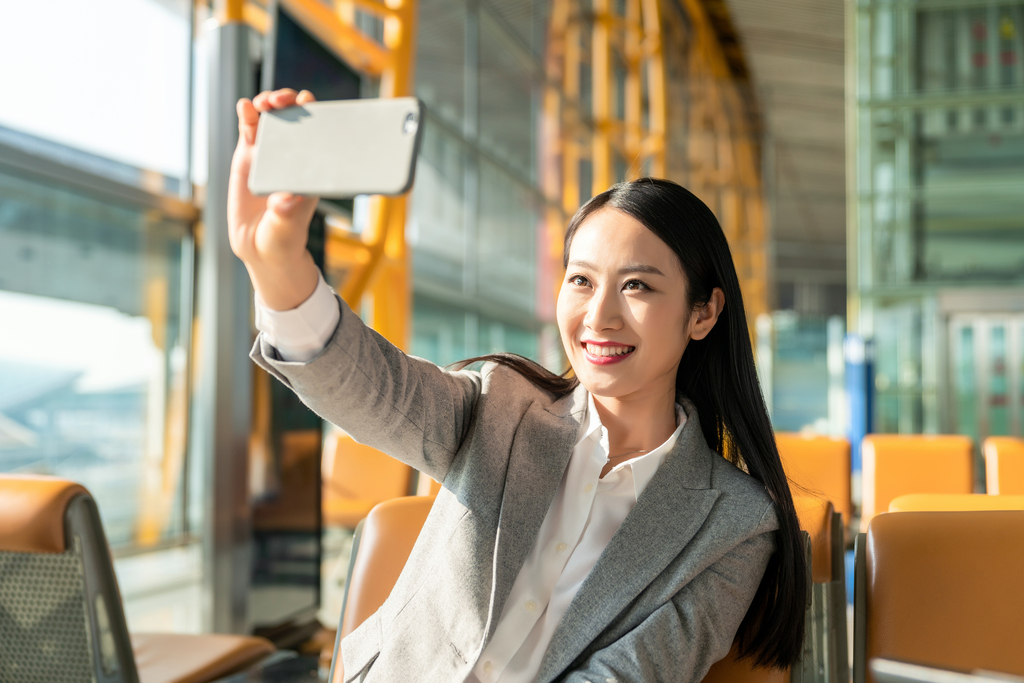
point(607, 351)
point(606, 354)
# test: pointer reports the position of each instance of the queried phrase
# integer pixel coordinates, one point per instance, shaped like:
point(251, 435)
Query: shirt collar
point(643, 467)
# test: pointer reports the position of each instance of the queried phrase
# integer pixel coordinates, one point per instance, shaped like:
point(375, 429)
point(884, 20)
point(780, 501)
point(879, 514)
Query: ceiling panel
point(794, 50)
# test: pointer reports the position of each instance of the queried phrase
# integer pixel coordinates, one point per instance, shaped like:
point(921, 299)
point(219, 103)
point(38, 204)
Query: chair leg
point(860, 603)
point(837, 605)
point(805, 671)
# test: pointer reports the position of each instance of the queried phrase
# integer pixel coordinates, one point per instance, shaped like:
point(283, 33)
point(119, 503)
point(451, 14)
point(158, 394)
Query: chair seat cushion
point(180, 658)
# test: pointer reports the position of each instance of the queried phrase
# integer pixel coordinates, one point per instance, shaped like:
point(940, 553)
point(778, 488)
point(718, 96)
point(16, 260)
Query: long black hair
point(717, 374)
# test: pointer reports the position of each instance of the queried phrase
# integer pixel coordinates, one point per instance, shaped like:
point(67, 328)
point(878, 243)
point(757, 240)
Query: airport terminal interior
point(865, 159)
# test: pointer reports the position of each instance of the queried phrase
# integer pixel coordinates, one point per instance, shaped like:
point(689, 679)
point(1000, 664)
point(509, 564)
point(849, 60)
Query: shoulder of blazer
point(511, 391)
point(747, 499)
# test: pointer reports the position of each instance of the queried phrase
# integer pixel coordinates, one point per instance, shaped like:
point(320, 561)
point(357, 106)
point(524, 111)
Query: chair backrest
point(952, 502)
point(898, 464)
point(385, 541)
point(1004, 465)
point(61, 617)
point(815, 517)
point(818, 465)
point(357, 477)
point(942, 589)
point(380, 549)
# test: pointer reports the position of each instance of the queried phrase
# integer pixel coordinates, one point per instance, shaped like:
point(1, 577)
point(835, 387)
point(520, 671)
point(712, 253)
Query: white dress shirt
point(585, 513)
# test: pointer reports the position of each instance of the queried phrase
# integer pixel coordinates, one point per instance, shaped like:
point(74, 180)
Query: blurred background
point(865, 159)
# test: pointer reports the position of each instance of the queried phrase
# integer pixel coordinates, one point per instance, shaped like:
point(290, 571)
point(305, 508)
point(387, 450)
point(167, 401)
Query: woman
point(587, 530)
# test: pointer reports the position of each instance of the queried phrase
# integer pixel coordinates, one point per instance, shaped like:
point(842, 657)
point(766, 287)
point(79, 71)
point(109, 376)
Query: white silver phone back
point(338, 149)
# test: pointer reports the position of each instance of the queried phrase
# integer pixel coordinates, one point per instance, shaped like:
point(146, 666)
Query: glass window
point(496, 336)
point(799, 372)
point(440, 58)
point(507, 96)
point(95, 302)
point(439, 332)
point(509, 220)
point(437, 225)
point(134, 52)
point(446, 333)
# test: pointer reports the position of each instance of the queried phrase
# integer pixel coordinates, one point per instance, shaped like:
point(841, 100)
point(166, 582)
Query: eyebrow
point(633, 268)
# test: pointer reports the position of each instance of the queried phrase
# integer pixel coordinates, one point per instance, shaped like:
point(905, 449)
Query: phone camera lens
point(410, 124)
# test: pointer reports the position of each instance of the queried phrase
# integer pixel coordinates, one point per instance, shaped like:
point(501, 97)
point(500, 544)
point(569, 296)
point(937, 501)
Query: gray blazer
point(664, 600)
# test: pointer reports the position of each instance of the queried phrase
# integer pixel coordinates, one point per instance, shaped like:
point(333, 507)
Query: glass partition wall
point(939, 230)
point(97, 253)
point(96, 303)
point(477, 206)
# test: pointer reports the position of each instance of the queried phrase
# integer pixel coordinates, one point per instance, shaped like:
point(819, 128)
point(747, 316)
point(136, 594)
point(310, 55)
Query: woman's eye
point(635, 285)
point(578, 280)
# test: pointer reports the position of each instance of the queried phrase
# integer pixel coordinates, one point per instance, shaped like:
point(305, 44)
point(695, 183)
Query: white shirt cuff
point(300, 333)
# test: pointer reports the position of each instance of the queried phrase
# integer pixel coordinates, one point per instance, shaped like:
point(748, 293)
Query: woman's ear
point(707, 315)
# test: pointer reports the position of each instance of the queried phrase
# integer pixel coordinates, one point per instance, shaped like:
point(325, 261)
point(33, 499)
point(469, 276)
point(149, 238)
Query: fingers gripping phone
point(338, 149)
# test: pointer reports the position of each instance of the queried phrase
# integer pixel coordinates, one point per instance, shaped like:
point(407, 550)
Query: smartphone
point(338, 149)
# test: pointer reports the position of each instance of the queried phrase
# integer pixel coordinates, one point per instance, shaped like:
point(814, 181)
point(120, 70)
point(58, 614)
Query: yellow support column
point(601, 103)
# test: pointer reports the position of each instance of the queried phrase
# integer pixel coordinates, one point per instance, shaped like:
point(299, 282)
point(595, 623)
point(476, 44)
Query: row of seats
point(897, 465)
point(933, 587)
point(50, 529)
point(357, 477)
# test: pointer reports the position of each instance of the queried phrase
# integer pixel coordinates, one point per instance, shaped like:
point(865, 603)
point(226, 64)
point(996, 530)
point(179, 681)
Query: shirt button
point(588, 488)
point(560, 547)
point(487, 667)
point(531, 606)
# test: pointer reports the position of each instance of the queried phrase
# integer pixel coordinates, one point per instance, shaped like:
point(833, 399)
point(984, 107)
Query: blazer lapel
point(668, 514)
point(540, 452)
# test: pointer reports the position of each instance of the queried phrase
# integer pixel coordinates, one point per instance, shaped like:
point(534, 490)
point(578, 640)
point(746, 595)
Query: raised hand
point(269, 234)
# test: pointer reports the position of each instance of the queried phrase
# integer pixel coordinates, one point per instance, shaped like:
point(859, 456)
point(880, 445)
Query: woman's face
point(622, 309)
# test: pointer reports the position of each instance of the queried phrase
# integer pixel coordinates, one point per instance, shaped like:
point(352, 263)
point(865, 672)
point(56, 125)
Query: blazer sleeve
point(680, 640)
point(405, 406)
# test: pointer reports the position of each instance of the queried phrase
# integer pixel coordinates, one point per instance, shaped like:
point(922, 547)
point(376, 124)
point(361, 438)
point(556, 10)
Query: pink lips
point(604, 360)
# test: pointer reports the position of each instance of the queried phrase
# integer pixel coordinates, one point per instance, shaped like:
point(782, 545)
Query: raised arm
point(269, 234)
point(406, 407)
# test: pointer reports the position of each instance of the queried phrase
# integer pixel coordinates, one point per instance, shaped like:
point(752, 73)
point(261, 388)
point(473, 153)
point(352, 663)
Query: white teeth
point(595, 350)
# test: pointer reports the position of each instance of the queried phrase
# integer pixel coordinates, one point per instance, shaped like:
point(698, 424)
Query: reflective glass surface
point(940, 181)
point(95, 310)
point(109, 77)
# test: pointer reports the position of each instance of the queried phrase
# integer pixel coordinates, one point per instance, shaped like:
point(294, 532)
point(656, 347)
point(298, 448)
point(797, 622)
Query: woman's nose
point(603, 312)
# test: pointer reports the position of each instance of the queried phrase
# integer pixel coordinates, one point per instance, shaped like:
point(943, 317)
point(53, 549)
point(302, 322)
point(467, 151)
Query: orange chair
point(61, 616)
point(897, 464)
point(940, 589)
point(1004, 465)
point(952, 502)
point(357, 477)
point(818, 465)
point(381, 547)
point(826, 621)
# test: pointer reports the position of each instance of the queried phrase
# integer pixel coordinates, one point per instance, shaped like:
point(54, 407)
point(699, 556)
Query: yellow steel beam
point(229, 11)
point(722, 166)
point(256, 16)
point(601, 102)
